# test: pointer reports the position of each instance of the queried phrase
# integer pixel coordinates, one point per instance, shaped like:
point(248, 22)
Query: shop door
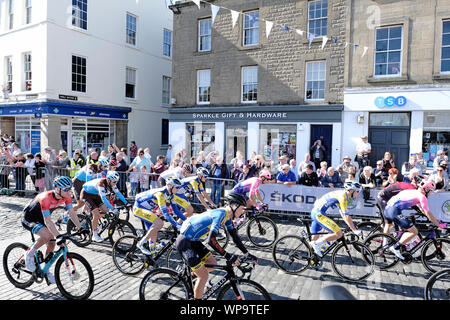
point(236, 140)
point(64, 141)
point(324, 133)
point(393, 140)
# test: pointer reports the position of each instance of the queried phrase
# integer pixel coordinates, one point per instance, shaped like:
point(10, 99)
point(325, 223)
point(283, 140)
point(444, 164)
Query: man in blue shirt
point(286, 176)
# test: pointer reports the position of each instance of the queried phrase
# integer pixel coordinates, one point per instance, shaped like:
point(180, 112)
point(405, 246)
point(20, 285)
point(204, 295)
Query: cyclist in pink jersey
point(250, 188)
point(404, 200)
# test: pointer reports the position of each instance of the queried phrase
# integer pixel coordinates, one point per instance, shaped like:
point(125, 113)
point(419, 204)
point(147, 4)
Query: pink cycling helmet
point(265, 174)
point(427, 185)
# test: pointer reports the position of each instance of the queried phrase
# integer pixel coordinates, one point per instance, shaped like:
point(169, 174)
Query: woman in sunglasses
point(37, 218)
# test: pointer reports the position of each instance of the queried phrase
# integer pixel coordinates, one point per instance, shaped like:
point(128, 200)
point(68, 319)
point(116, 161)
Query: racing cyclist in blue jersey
point(95, 195)
point(206, 226)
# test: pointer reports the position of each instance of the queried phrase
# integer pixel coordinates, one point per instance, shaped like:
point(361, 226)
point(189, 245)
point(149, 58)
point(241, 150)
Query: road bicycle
point(170, 284)
point(73, 274)
point(350, 259)
point(434, 254)
point(438, 286)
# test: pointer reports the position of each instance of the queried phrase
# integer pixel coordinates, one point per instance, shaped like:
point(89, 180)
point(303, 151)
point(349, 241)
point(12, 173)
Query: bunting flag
point(365, 51)
point(299, 32)
point(234, 17)
point(355, 46)
point(269, 25)
point(197, 2)
point(311, 37)
point(214, 9)
point(324, 41)
point(285, 28)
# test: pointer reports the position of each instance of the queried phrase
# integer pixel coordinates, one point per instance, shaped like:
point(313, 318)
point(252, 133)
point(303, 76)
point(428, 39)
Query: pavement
point(403, 282)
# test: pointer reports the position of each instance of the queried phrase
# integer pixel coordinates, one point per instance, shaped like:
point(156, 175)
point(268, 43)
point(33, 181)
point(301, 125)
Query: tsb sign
point(390, 102)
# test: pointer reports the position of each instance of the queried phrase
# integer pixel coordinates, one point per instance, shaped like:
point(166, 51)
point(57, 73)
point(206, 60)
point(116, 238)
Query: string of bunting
point(270, 24)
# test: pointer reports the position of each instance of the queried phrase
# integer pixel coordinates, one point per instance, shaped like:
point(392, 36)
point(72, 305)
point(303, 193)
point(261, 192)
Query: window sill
point(202, 53)
point(372, 79)
point(249, 48)
point(441, 76)
point(131, 100)
point(317, 39)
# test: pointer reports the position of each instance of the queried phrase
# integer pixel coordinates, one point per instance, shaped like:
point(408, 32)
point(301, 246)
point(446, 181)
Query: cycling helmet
point(174, 182)
point(62, 182)
point(113, 175)
point(427, 185)
point(265, 174)
point(351, 185)
point(114, 163)
point(417, 180)
point(104, 162)
point(202, 172)
point(236, 198)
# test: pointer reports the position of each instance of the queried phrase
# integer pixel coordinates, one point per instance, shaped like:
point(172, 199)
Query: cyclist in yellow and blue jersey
point(320, 220)
point(206, 226)
point(196, 185)
point(144, 206)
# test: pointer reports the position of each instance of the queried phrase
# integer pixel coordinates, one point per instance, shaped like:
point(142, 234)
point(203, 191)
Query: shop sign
point(66, 97)
point(35, 142)
point(390, 102)
point(240, 116)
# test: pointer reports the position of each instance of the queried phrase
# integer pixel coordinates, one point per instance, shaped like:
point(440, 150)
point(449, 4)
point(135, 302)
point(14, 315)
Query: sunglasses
point(66, 189)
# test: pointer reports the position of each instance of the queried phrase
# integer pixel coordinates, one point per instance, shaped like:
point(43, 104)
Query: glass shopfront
point(277, 140)
point(200, 137)
point(436, 134)
point(92, 133)
point(236, 140)
point(28, 134)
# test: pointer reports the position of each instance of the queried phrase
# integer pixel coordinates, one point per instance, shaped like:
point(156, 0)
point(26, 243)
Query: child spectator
point(144, 179)
point(134, 179)
point(39, 167)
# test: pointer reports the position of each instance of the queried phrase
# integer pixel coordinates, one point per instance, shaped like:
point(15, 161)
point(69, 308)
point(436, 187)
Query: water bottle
point(415, 242)
point(325, 246)
point(65, 217)
point(160, 245)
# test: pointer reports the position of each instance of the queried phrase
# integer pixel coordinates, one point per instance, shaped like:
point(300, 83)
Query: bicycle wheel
point(368, 228)
point(435, 254)
point(292, 254)
point(223, 237)
point(262, 231)
point(354, 264)
point(173, 258)
point(127, 257)
point(14, 266)
point(163, 284)
point(81, 240)
point(120, 228)
point(247, 290)
point(76, 279)
point(438, 286)
point(378, 245)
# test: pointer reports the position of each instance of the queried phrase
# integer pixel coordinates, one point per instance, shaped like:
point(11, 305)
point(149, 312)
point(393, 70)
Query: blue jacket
point(335, 180)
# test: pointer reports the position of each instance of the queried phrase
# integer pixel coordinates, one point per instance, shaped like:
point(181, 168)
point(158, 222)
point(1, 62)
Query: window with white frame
point(318, 17)
point(28, 6)
point(204, 35)
point(78, 74)
point(27, 71)
point(251, 28)
point(249, 84)
point(79, 14)
point(11, 14)
point(204, 86)
point(130, 83)
point(167, 43)
point(388, 51)
point(445, 51)
point(315, 80)
point(166, 90)
point(9, 74)
point(131, 29)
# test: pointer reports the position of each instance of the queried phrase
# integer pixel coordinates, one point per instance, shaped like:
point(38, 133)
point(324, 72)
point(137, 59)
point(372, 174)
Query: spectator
point(331, 179)
point(63, 162)
point(439, 158)
point(410, 177)
point(148, 155)
point(294, 168)
point(158, 168)
point(218, 171)
point(193, 165)
point(381, 174)
point(445, 166)
point(134, 180)
point(39, 167)
point(236, 171)
point(18, 163)
point(440, 178)
point(363, 149)
point(103, 155)
point(112, 151)
point(392, 177)
point(286, 176)
point(309, 177)
point(81, 156)
point(76, 163)
point(317, 152)
point(346, 167)
point(351, 177)
point(322, 172)
point(257, 166)
point(50, 162)
point(239, 159)
point(387, 161)
point(29, 164)
point(5, 168)
point(144, 179)
point(92, 158)
point(421, 162)
point(283, 161)
point(302, 165)
point(367, 181)
point(408, 166)
point(245, 174)
point(140, 161)
point(169, 153)
point(174, 170)
point(201, 159)
point(15, 149)
point(122, 167)
point(125, 156)
point(133, 150)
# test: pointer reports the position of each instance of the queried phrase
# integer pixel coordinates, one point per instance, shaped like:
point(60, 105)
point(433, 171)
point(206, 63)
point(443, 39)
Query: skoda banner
point(298, 198)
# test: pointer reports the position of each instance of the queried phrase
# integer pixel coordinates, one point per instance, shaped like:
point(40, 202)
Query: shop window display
point(276, 141)
point(433, 142)
point(201, 137)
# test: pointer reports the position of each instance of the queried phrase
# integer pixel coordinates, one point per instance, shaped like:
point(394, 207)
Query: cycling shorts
point(93, 201)
point(181, 201)
point(321, 221)
point(77, 187)
point(147, 216)
point(34, 227)
point(394, 214)
point(194, 253)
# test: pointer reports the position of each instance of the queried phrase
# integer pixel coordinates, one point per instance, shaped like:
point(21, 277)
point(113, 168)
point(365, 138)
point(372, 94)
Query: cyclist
point(206, 226)
point(145, 207)
point(95, 195)
point(196, 184)
point(250, 188)
point(320, 220)
point(37, 219)
point(85, 174)
point(404, 200)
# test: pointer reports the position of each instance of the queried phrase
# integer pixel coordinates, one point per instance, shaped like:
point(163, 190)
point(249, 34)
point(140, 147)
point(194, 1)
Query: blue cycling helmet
point(104, 162)
point(174, 182)
point(203, 172)
point(113, 175)
point(351, 185)
point(62, 182)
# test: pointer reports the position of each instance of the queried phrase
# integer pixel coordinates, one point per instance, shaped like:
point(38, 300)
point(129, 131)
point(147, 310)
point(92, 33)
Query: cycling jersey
point(146, 201)
point(408, 198)
point(85, 174)
point(101, 188)
point(332, 200)
point(199, 226)
point(248, 187)
point(387, 193)
point(192, 184)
